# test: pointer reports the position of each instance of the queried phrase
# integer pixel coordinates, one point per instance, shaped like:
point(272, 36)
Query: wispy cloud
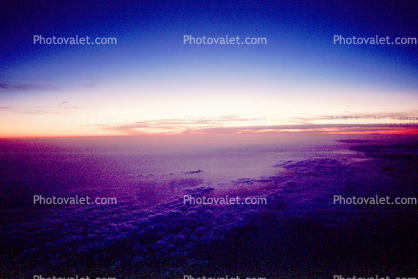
point(319, 124)
point(11, 88)
point(40, 110)
point(143, 127)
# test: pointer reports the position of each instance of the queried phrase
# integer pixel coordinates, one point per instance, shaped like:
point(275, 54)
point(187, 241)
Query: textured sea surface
point(152, 233)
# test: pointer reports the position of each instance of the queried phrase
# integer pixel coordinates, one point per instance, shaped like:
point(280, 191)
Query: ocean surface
point(152, 233)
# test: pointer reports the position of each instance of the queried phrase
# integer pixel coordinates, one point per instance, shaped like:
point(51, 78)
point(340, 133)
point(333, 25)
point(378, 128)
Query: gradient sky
point(150, 81)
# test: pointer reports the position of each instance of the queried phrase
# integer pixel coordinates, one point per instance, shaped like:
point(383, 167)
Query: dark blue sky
point(150, 67)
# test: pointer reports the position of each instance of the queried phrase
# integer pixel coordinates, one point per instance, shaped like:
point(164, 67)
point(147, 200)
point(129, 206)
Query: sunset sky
point(150, 81)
